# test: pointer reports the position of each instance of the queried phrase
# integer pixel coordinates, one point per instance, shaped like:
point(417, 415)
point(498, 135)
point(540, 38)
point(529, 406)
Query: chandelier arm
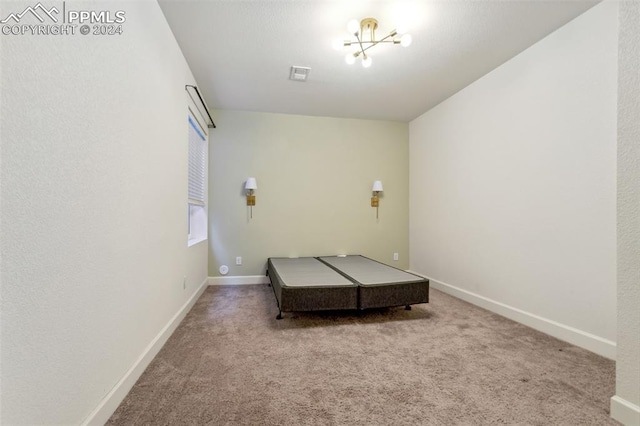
point(374, 42)
point(364, 55)
point(384, 39)
point(368, 47)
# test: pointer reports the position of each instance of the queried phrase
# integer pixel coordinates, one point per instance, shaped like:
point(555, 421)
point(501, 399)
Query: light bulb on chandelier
point(353, 26)
point(405, 40)
point(362, 43)
point(350, 59)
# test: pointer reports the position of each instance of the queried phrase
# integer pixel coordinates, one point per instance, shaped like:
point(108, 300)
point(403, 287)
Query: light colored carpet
point(443, 363)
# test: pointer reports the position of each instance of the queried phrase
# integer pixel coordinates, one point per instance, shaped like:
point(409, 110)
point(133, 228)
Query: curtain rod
point(186, 87)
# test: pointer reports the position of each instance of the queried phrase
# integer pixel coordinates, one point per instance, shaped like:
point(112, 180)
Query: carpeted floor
point(443, 363)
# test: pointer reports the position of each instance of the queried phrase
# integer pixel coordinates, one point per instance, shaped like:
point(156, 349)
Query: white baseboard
point(112, 400)
point(593, 343)
point(239, 280)
point(624, 411)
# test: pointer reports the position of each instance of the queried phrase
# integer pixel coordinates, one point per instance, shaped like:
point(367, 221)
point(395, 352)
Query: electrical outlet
point(395, 256)
point(239, 260)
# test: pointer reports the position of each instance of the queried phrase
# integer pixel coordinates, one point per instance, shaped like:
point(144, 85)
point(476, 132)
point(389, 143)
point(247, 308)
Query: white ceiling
point(241, 51)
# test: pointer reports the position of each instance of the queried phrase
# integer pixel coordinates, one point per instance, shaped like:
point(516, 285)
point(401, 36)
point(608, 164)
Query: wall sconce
point(377, 188)
point(250, 186)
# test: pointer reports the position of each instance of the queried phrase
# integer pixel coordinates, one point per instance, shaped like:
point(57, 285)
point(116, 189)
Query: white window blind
point(197, 163)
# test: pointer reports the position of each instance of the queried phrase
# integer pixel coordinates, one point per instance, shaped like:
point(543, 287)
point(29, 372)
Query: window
point(197, 182)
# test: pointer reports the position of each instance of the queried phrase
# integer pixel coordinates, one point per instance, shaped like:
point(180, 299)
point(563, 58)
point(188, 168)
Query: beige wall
point(314, 179)
point(94, 213)
point(625, 405)
point(517, 174)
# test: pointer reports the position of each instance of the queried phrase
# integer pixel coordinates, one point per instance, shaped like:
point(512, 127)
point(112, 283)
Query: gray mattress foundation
point(342, 282)
point(306, 284)
point(380, 285)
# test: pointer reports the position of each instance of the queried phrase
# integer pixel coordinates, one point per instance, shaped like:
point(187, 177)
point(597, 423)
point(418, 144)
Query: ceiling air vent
point(299, 73)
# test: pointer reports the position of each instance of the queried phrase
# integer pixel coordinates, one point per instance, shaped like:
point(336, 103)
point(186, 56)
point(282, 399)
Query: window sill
point(194, 241)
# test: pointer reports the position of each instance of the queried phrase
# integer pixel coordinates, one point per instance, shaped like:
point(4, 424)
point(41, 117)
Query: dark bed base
point(291, 299)
point(389, 294)
point(397, 294)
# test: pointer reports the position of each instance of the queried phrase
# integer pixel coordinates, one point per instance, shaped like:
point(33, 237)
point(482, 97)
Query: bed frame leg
point(279, 316)
point(407, 308)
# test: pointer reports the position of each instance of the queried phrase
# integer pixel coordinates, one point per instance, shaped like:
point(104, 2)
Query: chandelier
point(365, 34)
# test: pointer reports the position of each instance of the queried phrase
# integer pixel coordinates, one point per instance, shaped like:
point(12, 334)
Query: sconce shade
point(251, 183)
point(250, 186)
point(377, 186)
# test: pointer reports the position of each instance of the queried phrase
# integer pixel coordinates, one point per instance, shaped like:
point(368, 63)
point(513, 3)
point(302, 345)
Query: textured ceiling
point(241, 51)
